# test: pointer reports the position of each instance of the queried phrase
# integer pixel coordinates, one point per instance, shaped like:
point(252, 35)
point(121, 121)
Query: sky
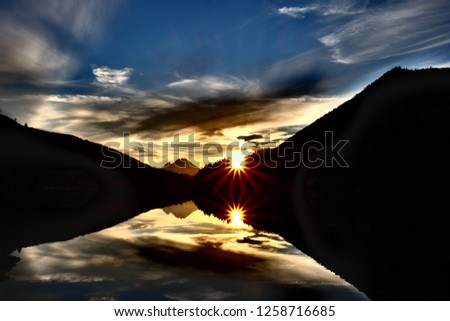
point(209, 71)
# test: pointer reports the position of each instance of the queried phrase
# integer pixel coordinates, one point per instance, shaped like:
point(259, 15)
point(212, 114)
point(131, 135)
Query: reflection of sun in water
point(236, 216)
point(237, 161)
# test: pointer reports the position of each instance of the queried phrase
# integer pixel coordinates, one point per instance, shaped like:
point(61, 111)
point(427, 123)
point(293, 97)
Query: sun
point(236, 217)
point(237, 161)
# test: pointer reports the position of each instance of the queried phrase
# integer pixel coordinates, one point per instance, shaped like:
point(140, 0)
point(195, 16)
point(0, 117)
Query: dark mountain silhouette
point(382, 222)
point(182, 166)
point(53, 187)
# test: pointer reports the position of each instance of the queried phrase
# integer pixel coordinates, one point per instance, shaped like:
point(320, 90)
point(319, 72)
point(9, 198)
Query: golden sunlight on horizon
point(237, 161)
point(236, 217)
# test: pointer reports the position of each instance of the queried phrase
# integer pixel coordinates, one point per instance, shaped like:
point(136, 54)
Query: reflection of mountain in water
point(382, 222)
point(181, 210)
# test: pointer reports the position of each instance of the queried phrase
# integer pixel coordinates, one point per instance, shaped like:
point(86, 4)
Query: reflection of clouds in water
point(270, 243)
point(140, 226)
point(156, 256)
point(208, 256)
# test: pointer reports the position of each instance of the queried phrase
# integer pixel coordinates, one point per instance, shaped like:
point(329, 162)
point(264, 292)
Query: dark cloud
point(301, 74)
point(306, 83)
point(209, 117)
point(250, 137)
point(289, 130)
point(250, 240)
point(117, 125)
point(261, 241)
point(267, 140)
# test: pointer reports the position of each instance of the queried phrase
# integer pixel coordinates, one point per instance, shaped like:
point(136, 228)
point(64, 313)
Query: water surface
point(159, 256)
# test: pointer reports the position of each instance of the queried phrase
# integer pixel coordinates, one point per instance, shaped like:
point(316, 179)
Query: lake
point(175, 253)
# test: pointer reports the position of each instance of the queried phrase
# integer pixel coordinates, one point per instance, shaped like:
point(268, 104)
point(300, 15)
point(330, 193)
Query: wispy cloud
point(392, 30)
point(28, 55)
point(296, 11)
point(81, 99)
point(326, 8)
point(81, 19)
point(111, 77)
point(31, 51)
point(213, 87)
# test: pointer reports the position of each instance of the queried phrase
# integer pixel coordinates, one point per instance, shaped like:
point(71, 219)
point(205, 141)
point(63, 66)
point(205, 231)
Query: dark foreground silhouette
point(382, 222)
point(53, 188)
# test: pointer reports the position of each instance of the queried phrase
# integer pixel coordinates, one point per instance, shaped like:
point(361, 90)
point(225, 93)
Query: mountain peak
point(182, 166)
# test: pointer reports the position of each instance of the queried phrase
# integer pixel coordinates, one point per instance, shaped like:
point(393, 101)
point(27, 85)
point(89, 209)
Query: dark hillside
point(382, 222)
point(53, 186)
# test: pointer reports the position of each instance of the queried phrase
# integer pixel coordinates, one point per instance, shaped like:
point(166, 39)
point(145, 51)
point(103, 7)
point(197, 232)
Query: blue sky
point(220, 69)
